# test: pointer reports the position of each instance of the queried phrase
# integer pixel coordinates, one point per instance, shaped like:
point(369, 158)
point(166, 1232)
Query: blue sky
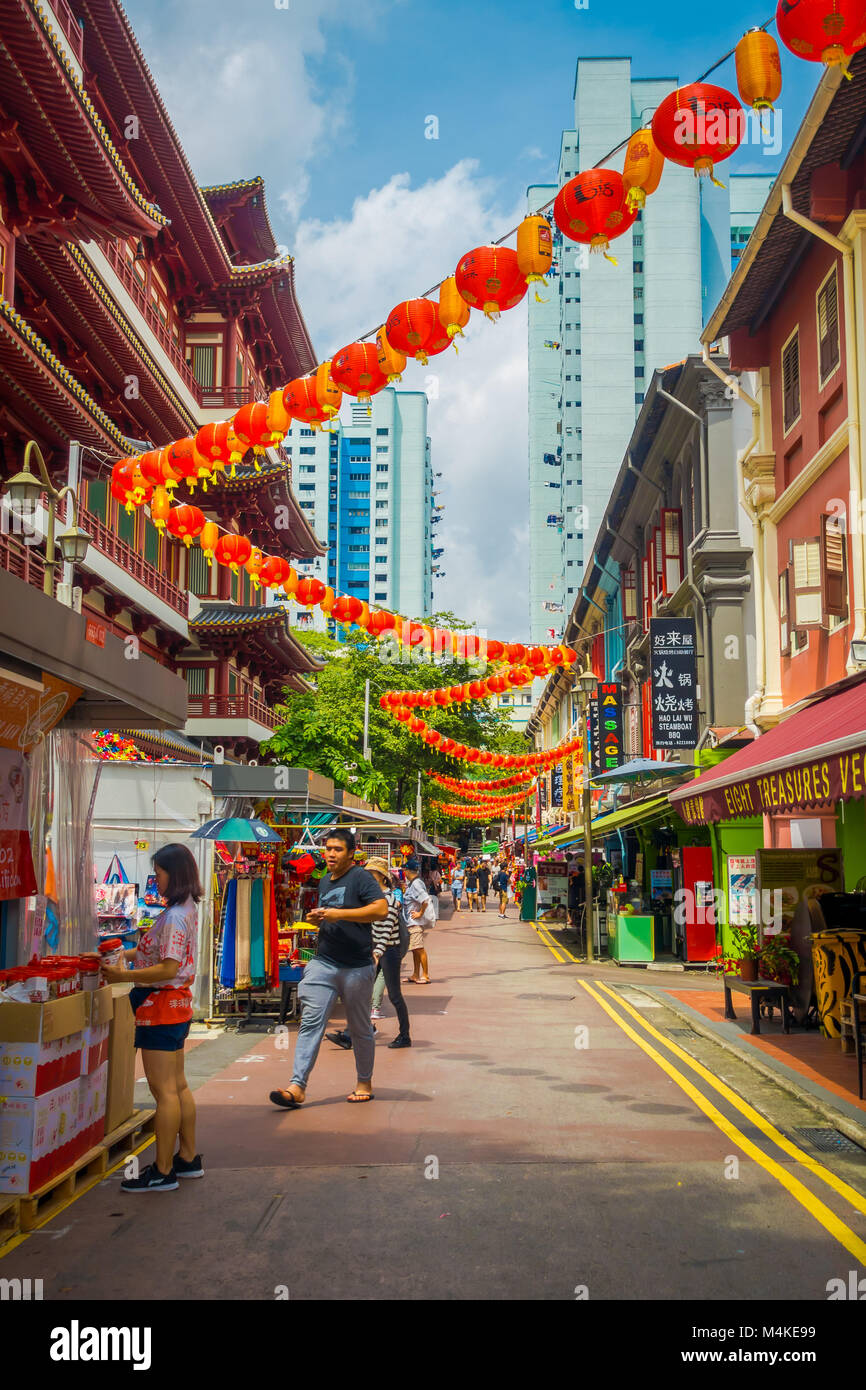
point(328, 102)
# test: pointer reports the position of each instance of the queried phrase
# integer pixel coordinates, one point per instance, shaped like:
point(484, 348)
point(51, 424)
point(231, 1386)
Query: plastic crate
point(306, 953)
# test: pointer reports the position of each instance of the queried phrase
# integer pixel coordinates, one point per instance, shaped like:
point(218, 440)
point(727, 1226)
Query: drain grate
point(829, 1141)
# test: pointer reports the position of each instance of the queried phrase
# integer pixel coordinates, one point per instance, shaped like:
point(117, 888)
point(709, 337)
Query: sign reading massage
point(674, 682)
point(839, 778)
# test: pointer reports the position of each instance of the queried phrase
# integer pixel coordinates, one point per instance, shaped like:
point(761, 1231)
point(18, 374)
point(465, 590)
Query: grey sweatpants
point(323, 984)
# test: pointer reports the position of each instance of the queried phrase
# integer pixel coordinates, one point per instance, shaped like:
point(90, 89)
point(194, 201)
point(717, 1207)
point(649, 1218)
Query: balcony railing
point(241, 706)
point(24, 561)
point(134, 564)
point(232, 398)
point(115, 254)
point(71, 28)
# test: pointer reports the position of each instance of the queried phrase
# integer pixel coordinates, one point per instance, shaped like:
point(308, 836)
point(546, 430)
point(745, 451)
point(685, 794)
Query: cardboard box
point(40, 1045)
point(38, 1137)
point(121, 1061)
point(92, 1096)
point(94, 1047)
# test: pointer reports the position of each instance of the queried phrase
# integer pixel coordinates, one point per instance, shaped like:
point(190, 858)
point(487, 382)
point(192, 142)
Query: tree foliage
point(323, 729)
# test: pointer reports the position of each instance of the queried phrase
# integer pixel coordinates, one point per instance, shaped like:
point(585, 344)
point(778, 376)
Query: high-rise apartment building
point(603, 329)
point(367, 485)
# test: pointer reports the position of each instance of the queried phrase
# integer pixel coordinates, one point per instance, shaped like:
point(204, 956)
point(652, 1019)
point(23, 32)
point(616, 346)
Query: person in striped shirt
point(389, 946)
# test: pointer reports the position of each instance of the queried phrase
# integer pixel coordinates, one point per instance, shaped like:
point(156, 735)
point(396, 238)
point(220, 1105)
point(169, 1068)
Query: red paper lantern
point(129, 485)
point(185, 522)
point(250, 424)
point(347, 609)
point(432, 737)
point(232, 550)
point(515, 651)
point(355, 369)
point(592, 209)
point(417, 725)
point(489, 278)
point(442, 697)
point(309, 592)
point(403, 715)
point(274, 572)
point(698, 126)
point(413, 328)
point(822, 31)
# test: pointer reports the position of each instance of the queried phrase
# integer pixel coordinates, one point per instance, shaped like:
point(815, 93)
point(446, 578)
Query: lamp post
point(586, 683)
point(25, 490)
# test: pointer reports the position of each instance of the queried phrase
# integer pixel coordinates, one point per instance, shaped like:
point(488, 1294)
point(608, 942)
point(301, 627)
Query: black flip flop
point(287, 1102)
point(360, 1097)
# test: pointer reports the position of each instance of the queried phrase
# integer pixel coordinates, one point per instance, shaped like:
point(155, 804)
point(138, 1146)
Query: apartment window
point(357, 569)
point(359, 530)
point(381, 579)
point(380, 522)
point(381, 432)
point(381, 597)
point(638, 293)
point(637, 241)
point(828, 328)
point(805, 594)
point(381, 448)
point(306, 506)
point(307, 468)
point(791, 381)
point(381, 506)
point(381, 487)
point(204, 364)
point(358, 496)
point(381, 468)
point(638, 318)
point(307, 434)
point(638, 399)
point(307, 449)
point(638, 344)
point(358, 477)
point(638, 267)
point(306, 487)
point(365, 548)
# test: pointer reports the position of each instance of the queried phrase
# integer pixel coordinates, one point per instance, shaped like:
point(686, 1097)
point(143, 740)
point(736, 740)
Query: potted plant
point(779, 961)
point(745, 951)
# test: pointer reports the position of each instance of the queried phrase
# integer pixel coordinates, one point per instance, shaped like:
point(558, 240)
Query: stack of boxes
point(54, 1085)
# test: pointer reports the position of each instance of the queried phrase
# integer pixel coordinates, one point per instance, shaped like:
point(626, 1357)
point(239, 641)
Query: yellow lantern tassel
point(491, 310)
point(613, 260)
point(538, 298)
point(422, 357)
point(187, 540)
point(454, 329)
point(635, 199)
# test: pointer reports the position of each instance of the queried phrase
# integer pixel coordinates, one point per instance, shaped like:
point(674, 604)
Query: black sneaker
point(341, 1039)
point(151, 1180)
point(192, 1169)
point(401, 1042)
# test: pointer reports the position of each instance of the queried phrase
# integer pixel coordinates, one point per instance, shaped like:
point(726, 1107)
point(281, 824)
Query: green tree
point(323, 728)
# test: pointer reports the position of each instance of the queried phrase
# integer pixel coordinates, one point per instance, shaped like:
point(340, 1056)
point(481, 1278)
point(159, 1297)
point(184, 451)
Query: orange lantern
point(698, 126)
point(346, 609)
point(251, 427)
point(391, 362)
point(185, 522)
point(490, 279)
point(363, 618)
point(186, 460)
point(150, 466)
point(534, 247)
point(642, 168)
point(129, 485)
point(232, 550)
point(290, 583)
point(355, 368)
point(591, 209)
point(759, 69)
point(253, 565)
point(309, 591)
point(210, 534)
point(328, 599)
point(301, 400)
point(822, 31)
point(279, 419)
point(453, 309)
point(413, 327)
point(160, 506)
point(328, 393)
point(274, 571)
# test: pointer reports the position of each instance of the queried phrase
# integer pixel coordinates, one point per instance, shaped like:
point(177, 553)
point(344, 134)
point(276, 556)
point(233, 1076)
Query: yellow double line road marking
point(807, 1199)
point(555, 947)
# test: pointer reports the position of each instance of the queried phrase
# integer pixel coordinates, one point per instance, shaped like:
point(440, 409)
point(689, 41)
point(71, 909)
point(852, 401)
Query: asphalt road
point(550, 1135)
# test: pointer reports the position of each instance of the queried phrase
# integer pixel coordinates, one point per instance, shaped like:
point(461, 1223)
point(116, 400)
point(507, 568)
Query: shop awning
point(814, 758)
point(635, 813)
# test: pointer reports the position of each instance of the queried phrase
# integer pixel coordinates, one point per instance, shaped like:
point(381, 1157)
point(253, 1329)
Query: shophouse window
point(828, 328)
point(629, 594)
point(791, 381)
point(805, 596)
point(835, 569)
point(204, 364)
point(672, 543)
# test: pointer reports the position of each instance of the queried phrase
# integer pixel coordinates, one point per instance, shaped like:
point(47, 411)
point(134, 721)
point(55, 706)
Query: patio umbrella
point(229, 828)
point(641, 767)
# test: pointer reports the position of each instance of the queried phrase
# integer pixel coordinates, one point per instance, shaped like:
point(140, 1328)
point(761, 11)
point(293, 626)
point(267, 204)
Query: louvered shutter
point(806, 601)
point(791, 381)
point(828, 328)
point(784, 628)
point(672, 541)
point(629, 594)
point(646, 595)
point(833, 557)
point(658, 563)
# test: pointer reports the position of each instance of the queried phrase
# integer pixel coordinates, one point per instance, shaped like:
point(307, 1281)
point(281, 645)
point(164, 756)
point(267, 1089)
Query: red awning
point(814, 758)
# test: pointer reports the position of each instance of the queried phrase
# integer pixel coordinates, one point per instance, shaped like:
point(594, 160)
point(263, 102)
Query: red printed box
point(38, 1137)
point(41, 1045)
point(92, 1095)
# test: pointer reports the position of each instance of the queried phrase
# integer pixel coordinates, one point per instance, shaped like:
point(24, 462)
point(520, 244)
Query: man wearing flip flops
point(350, 901)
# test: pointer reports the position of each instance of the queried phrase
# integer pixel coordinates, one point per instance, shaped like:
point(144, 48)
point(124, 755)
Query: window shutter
point(672, 539)
point(629, 594)
point(806, 601)
point(834, 567)
point(647, 598)
point(659, 563)
point(828, 328)
point(204, 365)
point(791, 382)
point(784, 629)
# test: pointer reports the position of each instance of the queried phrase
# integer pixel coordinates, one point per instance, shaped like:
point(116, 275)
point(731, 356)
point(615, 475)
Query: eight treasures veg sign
point(825, 780)
point(674, 677)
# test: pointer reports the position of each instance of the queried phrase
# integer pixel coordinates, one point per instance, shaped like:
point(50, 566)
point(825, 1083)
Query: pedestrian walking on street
point(419, 917)
point(500, 885)
point(472, 886)
point(458, 878)
point(390, 943)
point(350, 901)
point(483, 887)
point(162, 972)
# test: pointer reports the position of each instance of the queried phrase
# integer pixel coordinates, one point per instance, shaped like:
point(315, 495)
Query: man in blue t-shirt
point(350, 901)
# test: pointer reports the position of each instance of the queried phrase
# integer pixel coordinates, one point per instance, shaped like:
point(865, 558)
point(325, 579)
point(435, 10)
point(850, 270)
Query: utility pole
point(418, 802)
point(367, 721)
point(586, 682)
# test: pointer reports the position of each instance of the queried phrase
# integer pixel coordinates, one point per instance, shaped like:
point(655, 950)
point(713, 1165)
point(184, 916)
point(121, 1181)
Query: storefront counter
point(632, 938)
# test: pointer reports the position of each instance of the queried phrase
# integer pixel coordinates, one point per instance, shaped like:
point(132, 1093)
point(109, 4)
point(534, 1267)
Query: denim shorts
point(162, 1037)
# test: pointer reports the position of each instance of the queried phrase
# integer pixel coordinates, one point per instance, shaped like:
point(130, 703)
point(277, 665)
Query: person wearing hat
point(419, 917)
point(389, 947)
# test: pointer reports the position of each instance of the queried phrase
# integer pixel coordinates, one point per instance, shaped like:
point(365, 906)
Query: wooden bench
point(760, 992)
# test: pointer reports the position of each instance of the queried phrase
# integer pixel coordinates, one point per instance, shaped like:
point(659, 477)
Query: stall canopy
point(641, 767)
point(815, 757)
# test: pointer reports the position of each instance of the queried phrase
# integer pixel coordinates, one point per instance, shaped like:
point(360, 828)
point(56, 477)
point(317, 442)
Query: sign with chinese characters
point(592, 719)
point(742, 892)
point(674, 682)
point(609, 697)
point(29, 708)
point(556, 785)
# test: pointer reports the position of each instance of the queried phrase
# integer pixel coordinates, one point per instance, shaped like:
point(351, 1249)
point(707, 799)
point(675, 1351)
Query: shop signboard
point(674, 677)
point(29, 708)
point(609, 696)
point(567, 783)
point(817, 783)
point(596, 764)
point(17, 878)
point(789, 878)
point(556, 779)
point(742, 890)
point(661, 883)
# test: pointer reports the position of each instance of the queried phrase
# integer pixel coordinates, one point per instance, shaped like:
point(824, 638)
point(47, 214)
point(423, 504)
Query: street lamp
point(25, 490)
point(586, 683)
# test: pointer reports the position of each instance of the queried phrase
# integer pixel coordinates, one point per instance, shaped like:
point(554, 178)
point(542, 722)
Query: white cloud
point(396, 243)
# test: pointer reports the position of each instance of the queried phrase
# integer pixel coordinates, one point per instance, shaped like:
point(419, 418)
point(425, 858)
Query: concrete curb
point(853, 1129)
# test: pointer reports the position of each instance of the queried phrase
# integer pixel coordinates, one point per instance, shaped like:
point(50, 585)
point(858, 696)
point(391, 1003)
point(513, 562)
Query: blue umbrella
point(236, 828)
